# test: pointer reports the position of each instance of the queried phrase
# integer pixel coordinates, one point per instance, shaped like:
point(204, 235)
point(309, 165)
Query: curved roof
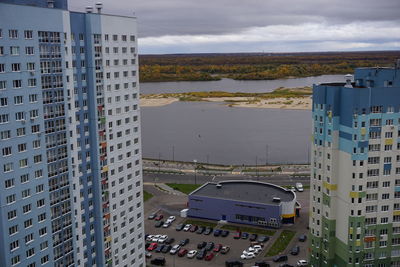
point(246, 191)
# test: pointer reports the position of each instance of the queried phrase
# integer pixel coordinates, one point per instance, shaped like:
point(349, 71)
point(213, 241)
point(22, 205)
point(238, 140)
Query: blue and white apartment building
point(70, 162)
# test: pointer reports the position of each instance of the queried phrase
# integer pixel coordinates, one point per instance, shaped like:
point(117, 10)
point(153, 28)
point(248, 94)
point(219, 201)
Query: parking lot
point(237, 246)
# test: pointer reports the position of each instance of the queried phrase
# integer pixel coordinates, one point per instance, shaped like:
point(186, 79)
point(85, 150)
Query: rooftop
point(247, 191)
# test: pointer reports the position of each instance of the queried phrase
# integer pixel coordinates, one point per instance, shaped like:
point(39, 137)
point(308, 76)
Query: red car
point(237, 235)
point(217, 248)
point(209, 256)
point(158, 217)
point(182, 252)
point(193, 228)
point(152, 247)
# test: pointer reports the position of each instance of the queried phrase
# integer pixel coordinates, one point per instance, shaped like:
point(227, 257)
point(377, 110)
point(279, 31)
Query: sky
point(235, 26)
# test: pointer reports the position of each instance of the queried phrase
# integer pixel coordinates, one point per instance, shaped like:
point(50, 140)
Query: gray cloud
point(194, 17)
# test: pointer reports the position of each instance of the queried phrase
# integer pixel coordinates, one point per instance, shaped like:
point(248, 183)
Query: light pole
point(256, 166)
point(195, 171)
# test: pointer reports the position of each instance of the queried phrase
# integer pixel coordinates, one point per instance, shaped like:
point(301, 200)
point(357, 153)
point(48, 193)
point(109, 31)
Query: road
point(279, 179)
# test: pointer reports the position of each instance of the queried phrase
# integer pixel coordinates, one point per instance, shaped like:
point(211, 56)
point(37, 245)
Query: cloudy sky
point(225, 26)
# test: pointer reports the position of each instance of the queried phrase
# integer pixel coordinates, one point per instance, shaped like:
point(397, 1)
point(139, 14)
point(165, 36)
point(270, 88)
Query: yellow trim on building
point(105, 169)
point(358, 243)
point(354, 194)
point(288, 215)
point(351, 230)
point(108, 239)
point(396, 212)
point(388, 141)
point(332, 187)
point(363, 131)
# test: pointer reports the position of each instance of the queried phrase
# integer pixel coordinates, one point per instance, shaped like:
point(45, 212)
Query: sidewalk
point(165, 188)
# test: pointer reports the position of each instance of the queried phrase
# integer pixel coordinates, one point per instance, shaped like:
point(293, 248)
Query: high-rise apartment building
point(70, 168)
point(355, 179)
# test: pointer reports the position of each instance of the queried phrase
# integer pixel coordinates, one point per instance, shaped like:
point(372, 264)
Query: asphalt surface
point(201, 179)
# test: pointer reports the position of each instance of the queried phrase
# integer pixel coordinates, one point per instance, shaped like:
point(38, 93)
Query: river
point(215, 133)
point(230, 85)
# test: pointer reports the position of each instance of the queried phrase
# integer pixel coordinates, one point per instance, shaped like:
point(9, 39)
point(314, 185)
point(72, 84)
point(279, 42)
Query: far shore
point(295, 103)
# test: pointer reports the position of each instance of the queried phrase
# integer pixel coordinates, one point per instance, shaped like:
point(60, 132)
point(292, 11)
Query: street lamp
point(195, 171)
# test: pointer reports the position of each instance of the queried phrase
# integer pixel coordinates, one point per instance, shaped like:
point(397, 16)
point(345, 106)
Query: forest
point(257, 66)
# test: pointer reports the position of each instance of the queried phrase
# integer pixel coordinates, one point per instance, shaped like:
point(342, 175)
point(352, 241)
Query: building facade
point(246, 202)
point(355, 180)
point(71, 187)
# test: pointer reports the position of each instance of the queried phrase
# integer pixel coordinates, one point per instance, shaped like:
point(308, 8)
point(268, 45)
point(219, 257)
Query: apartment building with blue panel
point(70, 137)
point(355, 193)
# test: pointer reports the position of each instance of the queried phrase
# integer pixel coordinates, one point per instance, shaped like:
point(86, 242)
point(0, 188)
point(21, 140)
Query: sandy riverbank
point(300, 103)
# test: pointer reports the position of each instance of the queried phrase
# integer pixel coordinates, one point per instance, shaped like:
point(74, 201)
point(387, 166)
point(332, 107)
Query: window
point(6, 151)
point(3, 101)
point(13, 34)
point(8, 167)
point(28, 34)
point(3, 85)
point(17, 84)
point(15, 67)
point(18, 100)
point(2, 68)
point(14, 50)
point(30, 66)
point(29, 50)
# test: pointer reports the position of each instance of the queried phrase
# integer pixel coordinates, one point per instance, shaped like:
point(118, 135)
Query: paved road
point(201, 179)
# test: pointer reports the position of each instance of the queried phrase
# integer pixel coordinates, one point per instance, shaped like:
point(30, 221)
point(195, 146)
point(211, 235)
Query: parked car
point(159, 248)
point(285, 265)
point(162, 239)
point(225, 249)
point(245, 235)
point(184, 242)
point(233, 263)
point(263, 238)
point(187, 227)
point(171, 219)
point(248, 255)
point(217, 232)
point(166, 224)
point(148, 255)
point(174, 249)
point(209, 246)
point(158, 224)
point(209, 256)
point(262, 264)
point(169, 241)
point(152, 216)
point(200, 230)
point(302, 263)
point(217, 248)
point(280, 258)
point(224, 233)
point(237, 235)
point(201, 245)
point(182, 252)
point(295, 250)
point(179, 227)
point(302, 238)
point(159, 217)
point(299, 187)
point(253, 237)
point(149, 237)
point(191, 254)
point(158, 261)
point(193, 228)
point(152, 246)
point(201, 254)
point(208, 230)
point(166, 249)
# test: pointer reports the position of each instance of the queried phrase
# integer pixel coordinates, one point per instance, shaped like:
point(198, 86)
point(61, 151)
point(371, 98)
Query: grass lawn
point(281, 243)
point(200, 223)
point(147, 195)
point(249, 230)
point(184, 188)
